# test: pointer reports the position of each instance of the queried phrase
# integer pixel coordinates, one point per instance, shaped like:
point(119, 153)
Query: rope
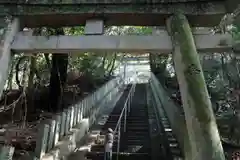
point(12, 105)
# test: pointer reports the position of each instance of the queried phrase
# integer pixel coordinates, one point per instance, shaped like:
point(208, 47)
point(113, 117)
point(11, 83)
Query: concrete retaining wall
point(57, 137)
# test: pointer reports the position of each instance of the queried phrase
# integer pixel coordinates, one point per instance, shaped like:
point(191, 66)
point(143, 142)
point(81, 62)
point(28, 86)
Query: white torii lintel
point(139, 44)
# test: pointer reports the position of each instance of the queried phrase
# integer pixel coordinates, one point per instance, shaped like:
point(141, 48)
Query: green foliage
point(95, 65)
point(236, 32)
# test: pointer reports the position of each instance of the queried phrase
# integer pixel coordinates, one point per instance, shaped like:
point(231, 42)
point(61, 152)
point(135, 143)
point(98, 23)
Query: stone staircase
point(169, 148)
point(171, 139)
point(135, 142)
point(111, 122)
point(136, 139)
point(174, 148)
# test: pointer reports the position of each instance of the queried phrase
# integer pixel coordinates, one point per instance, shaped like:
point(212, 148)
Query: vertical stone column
point(201, 124)
point(42, 141)
point(8, 29)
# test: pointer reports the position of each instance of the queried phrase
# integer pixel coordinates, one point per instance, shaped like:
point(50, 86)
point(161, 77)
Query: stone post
point(201, 124)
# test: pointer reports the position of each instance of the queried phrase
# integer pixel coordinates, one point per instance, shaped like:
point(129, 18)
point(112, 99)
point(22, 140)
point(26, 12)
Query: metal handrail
point(125, 111)
point(130, 94)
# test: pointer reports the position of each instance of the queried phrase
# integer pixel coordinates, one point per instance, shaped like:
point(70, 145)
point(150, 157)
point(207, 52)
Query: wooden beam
point(204, 13)
point(139, 44)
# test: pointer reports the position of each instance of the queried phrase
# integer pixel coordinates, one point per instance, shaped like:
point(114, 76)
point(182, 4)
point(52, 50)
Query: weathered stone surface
point(42, 141)
point(94, 27)
point(96, 1)
point(187, 8)
point(200, 120)
point(7, 152)
point(139, 44)
point(68, 121)
point(51, 134)
point(75, 115)
point(114, 13)
point(68, 143)
point(63, 123)
point(173, 112)
point(71, 117)
point(57, 129)
point(8, 29)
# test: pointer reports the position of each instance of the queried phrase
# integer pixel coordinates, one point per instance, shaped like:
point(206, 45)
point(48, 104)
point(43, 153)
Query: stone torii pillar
point(8, 29)
point(201, 124)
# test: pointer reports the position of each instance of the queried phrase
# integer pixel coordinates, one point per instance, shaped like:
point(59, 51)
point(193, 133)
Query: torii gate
point(177, 40)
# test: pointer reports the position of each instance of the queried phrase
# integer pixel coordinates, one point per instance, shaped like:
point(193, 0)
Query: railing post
point(75, 115)
point(42, 141)
point(51, 133)
point(84, 108)
point(128, 106)
point(63, 123)
point(57, 129)
point(68, 120)
point(7, 153)
point(125, 119)
point(130, 96)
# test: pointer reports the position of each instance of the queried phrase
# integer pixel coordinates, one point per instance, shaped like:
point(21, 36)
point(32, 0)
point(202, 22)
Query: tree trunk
point(103, 61)
point(201, 124)
point(58, 78)
point(47, 60)
point(112, 65)
point(10, 76)
point(109, 62)
point(151, 62)
point(32, 73)
point(30, 91)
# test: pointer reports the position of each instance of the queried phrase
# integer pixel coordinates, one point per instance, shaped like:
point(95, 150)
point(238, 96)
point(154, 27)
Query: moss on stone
point(202, 129)
point(48, 7)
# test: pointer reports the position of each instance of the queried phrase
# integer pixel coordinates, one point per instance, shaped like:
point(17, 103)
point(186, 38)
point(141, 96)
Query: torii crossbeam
point(54, 13)
point(140, 44)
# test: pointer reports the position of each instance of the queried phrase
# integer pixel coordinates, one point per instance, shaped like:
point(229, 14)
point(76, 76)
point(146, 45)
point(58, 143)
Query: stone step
point(132, 123)
point(176, 151)
point(140, 115)
point(172, 140)
point(100, 148)
point(138, 128)
point(113, 117)
point(138, 112)
point(140, 118)
point(123, 156)
point(135, 142)
point(137, 133)
point(165, 122)
point(139, 136)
